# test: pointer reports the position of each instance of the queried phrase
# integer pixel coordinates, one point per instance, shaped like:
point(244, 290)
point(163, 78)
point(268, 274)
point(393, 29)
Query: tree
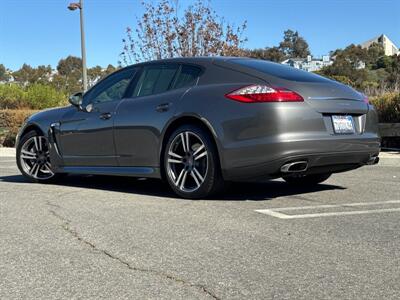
point(24, 75)
point(272, 54)
point(374, 53)
point(28, 75)
point(69, 76)
point(164, 32)
point(94, 75)
point(293, 45)
point(4, 76)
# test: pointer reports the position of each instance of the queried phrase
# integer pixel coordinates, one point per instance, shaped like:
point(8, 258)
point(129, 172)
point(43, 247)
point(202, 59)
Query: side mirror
point(76, 99)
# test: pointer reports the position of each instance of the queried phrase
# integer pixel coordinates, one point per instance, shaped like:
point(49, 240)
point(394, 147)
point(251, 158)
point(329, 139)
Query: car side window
point(111, 88)
point(155, 79)
point(187, 76)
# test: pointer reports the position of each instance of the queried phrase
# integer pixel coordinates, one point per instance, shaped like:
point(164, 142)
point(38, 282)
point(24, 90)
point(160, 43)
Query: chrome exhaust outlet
point(373, 160)
point(297, 166)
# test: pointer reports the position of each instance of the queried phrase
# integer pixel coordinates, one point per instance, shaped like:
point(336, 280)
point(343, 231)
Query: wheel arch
point(185, 120)
point(28, 128)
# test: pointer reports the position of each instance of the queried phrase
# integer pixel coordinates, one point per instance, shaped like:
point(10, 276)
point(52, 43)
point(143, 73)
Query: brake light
point(264, 93)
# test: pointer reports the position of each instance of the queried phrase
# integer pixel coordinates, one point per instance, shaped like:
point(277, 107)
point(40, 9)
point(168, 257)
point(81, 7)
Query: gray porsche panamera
point(199, 122)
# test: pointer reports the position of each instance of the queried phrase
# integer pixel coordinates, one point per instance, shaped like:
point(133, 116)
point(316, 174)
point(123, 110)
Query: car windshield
point(280, 71)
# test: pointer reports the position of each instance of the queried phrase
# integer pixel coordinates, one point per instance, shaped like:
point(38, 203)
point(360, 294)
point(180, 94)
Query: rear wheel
point(191, 163)
point(306, 179)
point(33, 159)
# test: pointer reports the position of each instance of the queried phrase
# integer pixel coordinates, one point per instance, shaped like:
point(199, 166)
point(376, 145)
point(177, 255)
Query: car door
point(86, 135)
point(149, 105)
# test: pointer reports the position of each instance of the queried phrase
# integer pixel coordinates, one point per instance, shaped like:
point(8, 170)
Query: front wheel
point(311, 179)
point(33, 158)
point(191, 163)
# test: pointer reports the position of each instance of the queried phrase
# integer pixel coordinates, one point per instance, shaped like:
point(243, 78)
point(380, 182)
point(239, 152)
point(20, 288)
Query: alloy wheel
point(187, 162)
point(35, 158)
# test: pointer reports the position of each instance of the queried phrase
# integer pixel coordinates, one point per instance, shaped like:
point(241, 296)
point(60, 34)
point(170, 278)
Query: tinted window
point(111, 88)
point(155, 79)
point(280, 71)
point(187, 76)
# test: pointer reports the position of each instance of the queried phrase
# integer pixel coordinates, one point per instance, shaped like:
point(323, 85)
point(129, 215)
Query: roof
point(196, 59)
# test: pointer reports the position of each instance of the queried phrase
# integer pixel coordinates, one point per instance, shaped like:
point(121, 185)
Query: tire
point(33, 159)
point(192, 170)
point(308, 180)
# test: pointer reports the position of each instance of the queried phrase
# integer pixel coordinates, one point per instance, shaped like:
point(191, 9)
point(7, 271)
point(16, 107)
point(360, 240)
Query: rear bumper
point(320, 162)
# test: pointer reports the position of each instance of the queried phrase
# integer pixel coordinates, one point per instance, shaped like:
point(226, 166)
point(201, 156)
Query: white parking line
point(276, 212)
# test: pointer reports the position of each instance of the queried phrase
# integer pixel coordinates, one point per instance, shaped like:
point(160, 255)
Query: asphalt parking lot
point(113, 237)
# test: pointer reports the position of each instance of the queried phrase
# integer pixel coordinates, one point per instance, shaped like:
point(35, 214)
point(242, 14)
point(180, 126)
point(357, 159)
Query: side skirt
point(116, 171)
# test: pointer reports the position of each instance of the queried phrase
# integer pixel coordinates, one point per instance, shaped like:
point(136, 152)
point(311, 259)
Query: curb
point(7, 152)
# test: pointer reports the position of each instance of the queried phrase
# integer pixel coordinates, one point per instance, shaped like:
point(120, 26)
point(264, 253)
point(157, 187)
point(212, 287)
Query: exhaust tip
point(373, 160)
point(297, 166)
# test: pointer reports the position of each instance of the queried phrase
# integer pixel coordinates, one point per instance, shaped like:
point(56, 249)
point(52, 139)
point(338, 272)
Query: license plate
point(343, 124)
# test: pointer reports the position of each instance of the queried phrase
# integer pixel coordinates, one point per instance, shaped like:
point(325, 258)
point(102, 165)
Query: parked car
point(198, 122)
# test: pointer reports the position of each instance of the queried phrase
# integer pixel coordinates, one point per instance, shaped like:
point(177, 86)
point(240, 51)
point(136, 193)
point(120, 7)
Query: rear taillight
point(264, 93)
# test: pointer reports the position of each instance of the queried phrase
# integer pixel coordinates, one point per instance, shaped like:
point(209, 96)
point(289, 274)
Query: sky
point(41, 32)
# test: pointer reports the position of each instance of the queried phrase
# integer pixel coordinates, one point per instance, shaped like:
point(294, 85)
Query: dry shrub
point(10, 122)
point(388, 107)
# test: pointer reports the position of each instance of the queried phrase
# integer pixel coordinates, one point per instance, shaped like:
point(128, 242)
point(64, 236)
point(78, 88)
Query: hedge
point(10, 122)
point(388, 107)
point(34, 96)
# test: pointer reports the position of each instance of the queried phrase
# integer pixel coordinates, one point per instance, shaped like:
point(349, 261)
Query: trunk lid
point(324, 95)
point(330, 97)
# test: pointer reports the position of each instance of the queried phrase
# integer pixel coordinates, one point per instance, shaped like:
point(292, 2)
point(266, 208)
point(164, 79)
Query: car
point(200, 122)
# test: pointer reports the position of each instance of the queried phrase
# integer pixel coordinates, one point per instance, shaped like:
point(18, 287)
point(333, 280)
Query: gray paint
point(253, 140)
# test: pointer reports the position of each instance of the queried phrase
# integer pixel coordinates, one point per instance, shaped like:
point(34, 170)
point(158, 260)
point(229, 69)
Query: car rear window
point(278, 70)
point(187, 76)
point(155, 79)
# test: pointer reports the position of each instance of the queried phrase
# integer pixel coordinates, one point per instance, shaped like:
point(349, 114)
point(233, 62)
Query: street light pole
point(74, 6)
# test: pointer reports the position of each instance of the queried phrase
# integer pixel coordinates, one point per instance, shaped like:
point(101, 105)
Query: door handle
point(105, 116)
point(163, 107)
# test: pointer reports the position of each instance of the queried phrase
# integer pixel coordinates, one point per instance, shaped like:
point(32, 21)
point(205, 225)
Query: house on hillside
point(309, 64)
point(388, 46)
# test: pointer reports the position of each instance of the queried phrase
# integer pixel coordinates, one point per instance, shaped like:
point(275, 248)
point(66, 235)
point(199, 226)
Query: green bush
point(11, 96)
point(34, 96)
point(388, 107)
point(39, 96)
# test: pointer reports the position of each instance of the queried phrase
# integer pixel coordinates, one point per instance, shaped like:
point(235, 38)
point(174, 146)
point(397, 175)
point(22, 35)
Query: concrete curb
point(7, 152)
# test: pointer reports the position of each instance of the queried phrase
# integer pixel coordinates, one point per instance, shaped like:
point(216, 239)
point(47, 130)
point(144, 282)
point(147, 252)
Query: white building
point(309, 64)
point(388, 46)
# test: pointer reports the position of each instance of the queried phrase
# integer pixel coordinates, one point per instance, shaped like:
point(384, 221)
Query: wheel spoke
point(179, 177)
point(175, 161)
point(34, 170)
point(198, 150)
point(185, 141)
point(198, 175)
point(27, 154)
point(182, 186)
point(40, 143)
point(195, 178)
point(202, 154)
point(46, 169)
point(36, 141)
point(174, 154)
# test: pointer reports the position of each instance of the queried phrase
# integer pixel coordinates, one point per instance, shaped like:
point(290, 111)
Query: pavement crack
point(66, 225)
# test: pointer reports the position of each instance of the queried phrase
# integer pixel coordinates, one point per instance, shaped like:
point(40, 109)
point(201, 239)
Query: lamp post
point(74, 6)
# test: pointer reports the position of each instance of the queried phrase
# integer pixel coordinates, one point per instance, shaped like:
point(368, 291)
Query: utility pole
point(74, 6)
